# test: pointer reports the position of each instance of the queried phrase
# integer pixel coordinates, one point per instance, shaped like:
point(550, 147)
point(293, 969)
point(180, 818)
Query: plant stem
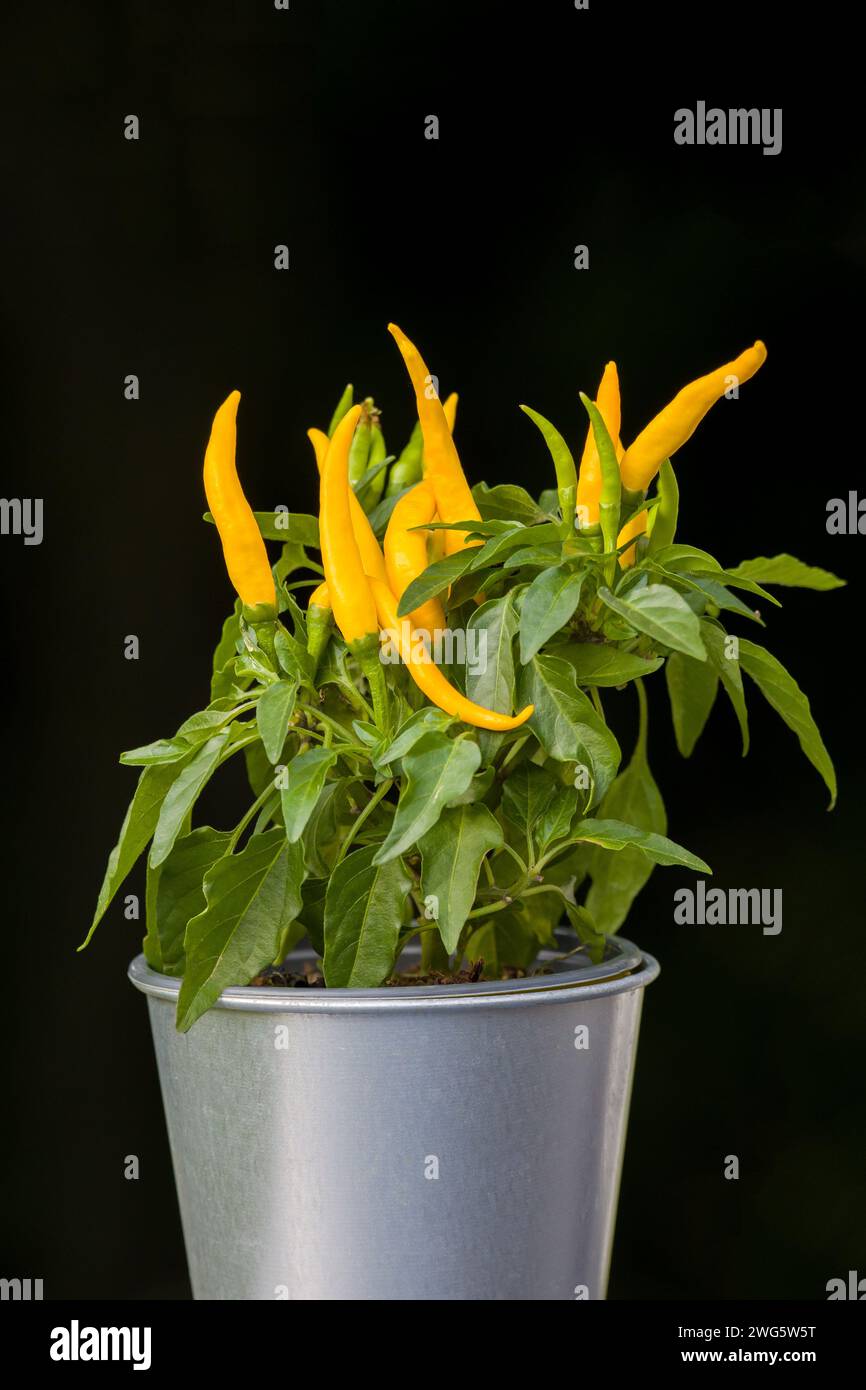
point(487, 909)
point(511, 754)
point(247, 817)
point(382, 789)
point(642, 716)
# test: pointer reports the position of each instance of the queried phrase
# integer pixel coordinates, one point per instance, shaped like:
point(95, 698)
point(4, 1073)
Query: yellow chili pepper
point(244, 550)
point(426, 674)
point(442, 467)
point(406, 552)
point(632, 530)
point(348, 586)
point(677, 422)
point(436, 544)
point(589, 478)
point(436, 539)
point(371, 554)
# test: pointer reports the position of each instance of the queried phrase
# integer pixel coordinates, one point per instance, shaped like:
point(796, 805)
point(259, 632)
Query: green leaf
point(783, 693)
point(634, 799)
point(533, 556)
point(555, 821)
point(249, 667)
point(164, 750)
point(199, 727)
point(381, 513)
point(687, 557)
point(138, 825)
point(785, 569)
point(694, 561)
point(305, 777)
point(510, 938)
point(274, 710)
point(290, 527)
point(251, 898)
point(292, 557)
point(330, 820)
point(472, 526)
point(613, 834)
point(411, 731)
point(692, 687)
point(222, 677)
point(718, 594)
point(298, 617)
point(507, 541)
point(539, 806)
point(451, 855)
point(312, 914)
point(179, 896)
point(437, 770)
point(260, 774)
point(478, 788)
point(182, 795)
point(548, 604)
point(587, 929)
point(294, 659)
point(507, 503)
point(526, 795)
point(662, 614)
point(603, 664)
point(728, 670)
point(565, 720)
point(434, 580)
point(490, 682)
point(363, 913)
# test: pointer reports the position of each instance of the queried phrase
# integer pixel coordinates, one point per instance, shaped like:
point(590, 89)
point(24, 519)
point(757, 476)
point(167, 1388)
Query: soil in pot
point(281, 977)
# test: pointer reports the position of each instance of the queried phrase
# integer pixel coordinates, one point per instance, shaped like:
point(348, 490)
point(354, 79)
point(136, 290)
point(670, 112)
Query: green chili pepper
point(343, 404)
point(407, 469)
point(319, 623)
point(377, 455)
point(566, 472)
point(664, 526)
point(360, 450)
point(610, 496)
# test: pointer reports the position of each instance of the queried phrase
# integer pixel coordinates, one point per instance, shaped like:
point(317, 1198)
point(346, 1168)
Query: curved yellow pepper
point(677, 422)
point(426, 674)
point(406, 552)
point(631, 531)
point(244, 550)
point(371, 554)
point(589, 478)
point(442, 467)
point(436, 542)
point(348, 585)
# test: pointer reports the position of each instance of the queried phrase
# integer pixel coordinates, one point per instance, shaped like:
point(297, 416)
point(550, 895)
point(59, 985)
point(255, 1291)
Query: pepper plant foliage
point(361, 837)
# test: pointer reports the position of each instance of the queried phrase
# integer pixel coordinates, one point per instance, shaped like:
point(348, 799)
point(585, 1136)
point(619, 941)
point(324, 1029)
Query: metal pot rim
point(628, 969)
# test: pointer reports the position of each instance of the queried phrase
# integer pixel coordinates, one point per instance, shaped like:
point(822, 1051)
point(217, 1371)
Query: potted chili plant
point(395, 1024)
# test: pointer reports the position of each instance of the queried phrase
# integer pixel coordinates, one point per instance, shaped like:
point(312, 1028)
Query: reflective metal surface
point(402, 1144)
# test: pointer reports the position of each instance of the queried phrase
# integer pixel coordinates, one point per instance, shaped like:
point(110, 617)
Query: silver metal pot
point(445, 1142)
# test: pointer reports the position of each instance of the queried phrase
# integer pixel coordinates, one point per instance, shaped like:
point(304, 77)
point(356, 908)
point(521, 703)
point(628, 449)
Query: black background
point(155, 257)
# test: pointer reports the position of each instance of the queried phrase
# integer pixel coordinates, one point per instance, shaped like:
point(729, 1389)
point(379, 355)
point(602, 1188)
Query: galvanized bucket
point(444, 1142)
